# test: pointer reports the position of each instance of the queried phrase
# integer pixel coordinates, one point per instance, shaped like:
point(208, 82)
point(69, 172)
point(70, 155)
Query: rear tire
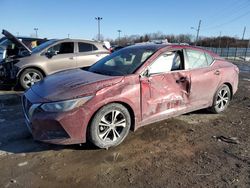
point(110, 126)
point(221, 99)
point(29, 77)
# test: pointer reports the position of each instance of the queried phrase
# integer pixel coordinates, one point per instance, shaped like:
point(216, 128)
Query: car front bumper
point(56, 128)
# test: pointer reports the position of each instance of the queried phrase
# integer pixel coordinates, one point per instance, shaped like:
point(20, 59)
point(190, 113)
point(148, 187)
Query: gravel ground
point(192, 150)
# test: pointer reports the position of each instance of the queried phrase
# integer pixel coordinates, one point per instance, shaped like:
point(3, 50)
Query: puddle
point(7, 100)
point(2, 120)
point(246, 79)
point(6, 110)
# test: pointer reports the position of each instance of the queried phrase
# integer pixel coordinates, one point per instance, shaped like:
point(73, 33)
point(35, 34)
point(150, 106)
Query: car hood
point(72, 84)
point(15, 40)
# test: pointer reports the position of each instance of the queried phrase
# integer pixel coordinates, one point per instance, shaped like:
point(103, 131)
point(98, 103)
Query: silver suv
point(27, 67)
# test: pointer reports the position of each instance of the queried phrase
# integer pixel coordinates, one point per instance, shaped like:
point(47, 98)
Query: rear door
point(204, 77)
point(88, 54)
point(64, 59)
point(165, 87)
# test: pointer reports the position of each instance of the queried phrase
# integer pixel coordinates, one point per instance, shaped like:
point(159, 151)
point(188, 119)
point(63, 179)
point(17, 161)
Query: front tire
point(221, 99)
point(29, 77)
point(110, 126)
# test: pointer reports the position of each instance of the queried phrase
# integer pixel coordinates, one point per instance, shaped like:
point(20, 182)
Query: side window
point(195, 59)
point(210, 60)
point(86, 47)
point(166, 62)
point(62, 48)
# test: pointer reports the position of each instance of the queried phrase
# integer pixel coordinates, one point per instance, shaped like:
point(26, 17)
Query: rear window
point(86, 47)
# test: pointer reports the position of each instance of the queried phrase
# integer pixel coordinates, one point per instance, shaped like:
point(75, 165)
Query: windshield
point(3, 42)
point(122, 62)
point(43, 46)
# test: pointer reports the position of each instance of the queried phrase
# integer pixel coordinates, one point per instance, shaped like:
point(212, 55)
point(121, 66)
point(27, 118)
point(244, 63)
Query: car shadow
point(28, 145)
point(201, 112)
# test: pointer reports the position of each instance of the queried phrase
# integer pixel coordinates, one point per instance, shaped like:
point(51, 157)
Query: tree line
point(223, 41)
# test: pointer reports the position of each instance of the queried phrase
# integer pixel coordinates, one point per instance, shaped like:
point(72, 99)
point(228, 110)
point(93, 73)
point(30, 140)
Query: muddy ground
point(187, 151)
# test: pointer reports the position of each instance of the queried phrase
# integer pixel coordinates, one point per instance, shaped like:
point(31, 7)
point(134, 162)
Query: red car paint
point(149, 99)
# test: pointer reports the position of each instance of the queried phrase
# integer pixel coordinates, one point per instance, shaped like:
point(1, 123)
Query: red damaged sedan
point(130, 88)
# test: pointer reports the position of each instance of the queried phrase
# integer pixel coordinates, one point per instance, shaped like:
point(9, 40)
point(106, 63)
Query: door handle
point(217, 72)
point(71, 58)
point(181, 80)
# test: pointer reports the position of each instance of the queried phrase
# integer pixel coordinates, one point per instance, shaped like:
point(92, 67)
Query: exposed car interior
point(62, 48)
point(13, 50)
point(172, 60)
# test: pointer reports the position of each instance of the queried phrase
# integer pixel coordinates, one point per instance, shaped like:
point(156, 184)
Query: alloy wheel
point(31, 78)
point(111, 126)
point(222, 99)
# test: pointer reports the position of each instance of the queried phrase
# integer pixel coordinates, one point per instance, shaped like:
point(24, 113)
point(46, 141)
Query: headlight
point(63, 106)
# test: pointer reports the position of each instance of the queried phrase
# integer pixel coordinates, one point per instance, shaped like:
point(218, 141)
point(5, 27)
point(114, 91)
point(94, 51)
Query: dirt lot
point(187, 151)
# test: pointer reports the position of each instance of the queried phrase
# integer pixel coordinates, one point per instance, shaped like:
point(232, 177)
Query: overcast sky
point(57, 19)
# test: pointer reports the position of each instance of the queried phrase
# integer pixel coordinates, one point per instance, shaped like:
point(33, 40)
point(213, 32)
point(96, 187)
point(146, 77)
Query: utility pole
point(99, 30)
point(220, 40)
point(119, 35)
point(198, 32)
point(244, 31)
point(68, 35)
point(36, 29)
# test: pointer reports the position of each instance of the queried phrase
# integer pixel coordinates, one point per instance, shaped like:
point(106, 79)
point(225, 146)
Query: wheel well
point(231, 89)
point(36, 68)
point(132, 115)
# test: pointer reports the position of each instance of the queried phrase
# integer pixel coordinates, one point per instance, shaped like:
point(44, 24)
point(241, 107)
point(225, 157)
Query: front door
point(166, 87)
point(63, 59)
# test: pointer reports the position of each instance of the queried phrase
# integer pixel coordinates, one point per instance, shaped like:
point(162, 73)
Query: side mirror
point(146, 72)
point(50, 54)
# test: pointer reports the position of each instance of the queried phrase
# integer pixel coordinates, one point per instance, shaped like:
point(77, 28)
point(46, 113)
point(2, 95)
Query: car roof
point(77, 40)
point(169, 45)
point(147, 46)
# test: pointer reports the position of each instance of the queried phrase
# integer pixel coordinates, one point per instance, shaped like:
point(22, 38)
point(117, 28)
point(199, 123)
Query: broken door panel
point(164, 93)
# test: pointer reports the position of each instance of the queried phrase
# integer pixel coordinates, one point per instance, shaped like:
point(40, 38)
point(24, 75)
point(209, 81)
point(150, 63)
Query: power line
point(228, 13)
point(235, 5)
point(228, 22)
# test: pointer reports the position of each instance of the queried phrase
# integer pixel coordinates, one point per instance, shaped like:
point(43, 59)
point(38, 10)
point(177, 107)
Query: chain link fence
point(242, 54)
